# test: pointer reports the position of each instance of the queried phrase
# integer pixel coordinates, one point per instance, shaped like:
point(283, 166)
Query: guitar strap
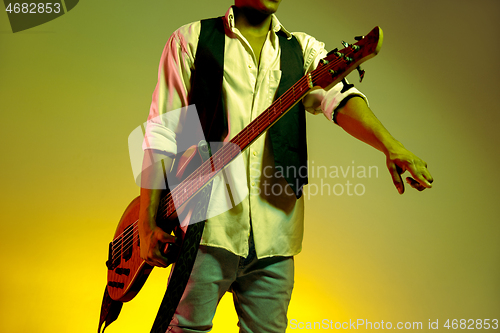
point(181, 269)
point(110, 309)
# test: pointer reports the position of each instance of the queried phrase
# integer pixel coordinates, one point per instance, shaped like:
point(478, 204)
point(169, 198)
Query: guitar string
point(124, 245)
point(288, 97)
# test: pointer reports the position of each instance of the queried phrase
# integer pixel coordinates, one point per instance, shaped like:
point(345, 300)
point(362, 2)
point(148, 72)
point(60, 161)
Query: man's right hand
point(153, 242)
point(153, 239)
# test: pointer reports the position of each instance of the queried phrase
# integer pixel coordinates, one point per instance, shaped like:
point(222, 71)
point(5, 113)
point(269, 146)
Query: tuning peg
point(359, 37)
point(332, 51)
point(361, 73)
point(345, 44)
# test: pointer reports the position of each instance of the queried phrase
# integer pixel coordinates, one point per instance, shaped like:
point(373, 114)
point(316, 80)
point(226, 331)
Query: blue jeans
point(261, 290)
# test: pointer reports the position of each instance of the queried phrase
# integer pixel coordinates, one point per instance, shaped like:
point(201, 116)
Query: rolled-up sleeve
point(335, 97)
point(159, 137)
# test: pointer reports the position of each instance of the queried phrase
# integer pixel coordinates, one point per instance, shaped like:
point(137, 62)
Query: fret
point(212, 163)
point(250, 132)
point(218, 163)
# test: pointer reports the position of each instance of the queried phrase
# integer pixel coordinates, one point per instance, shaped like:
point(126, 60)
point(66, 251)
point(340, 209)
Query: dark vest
point(288, 135)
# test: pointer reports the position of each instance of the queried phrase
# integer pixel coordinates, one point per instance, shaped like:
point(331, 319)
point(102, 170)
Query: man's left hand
point(402, 160)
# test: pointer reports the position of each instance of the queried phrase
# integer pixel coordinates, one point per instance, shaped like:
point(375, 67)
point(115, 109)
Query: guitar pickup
point(114, 284)
point(122, 271)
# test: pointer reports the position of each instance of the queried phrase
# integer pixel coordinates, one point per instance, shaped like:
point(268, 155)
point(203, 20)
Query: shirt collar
point(275, 23)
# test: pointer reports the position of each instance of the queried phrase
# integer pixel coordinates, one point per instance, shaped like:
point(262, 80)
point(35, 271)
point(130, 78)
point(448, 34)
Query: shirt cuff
point(336, 97)
point(160, 138)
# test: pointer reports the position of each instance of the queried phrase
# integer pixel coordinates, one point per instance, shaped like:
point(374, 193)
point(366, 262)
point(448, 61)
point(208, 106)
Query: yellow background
point(73, 89)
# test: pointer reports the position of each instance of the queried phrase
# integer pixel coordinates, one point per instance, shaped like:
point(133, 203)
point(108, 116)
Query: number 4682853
point(34, 8)
point(471, 324)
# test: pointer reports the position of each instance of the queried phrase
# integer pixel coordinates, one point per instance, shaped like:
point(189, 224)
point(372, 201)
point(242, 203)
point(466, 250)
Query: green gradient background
point(73, 89)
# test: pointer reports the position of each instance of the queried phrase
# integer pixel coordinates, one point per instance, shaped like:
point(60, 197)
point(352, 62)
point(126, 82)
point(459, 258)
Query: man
point(249, 248)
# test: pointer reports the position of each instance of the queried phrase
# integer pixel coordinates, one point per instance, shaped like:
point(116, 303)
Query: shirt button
point(254, 153)
point(249, 66)
point(253, 183)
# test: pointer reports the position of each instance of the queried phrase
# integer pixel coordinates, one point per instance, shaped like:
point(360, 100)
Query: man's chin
point(269, 6)
point(272, 4)
point(264, 7)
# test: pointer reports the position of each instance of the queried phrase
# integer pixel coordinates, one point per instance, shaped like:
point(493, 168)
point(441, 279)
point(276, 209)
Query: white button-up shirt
point(262, 200)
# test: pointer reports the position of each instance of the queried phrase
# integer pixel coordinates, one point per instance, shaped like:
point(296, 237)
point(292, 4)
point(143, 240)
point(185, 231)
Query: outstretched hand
point(402, 160)
point(356, 118)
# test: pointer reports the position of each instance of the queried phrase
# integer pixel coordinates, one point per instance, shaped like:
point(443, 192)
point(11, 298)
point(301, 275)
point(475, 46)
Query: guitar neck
point(218, 161)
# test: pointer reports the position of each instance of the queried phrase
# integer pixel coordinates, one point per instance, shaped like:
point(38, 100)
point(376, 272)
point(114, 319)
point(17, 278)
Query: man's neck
point(252, 22)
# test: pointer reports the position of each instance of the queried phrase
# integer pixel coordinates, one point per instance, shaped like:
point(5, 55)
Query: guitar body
point(127, 271)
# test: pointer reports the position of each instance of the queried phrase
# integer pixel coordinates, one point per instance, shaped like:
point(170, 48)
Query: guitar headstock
point(337, 64)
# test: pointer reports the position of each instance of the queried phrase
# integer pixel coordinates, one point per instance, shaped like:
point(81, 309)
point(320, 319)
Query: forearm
point(356, 118)
point(155, 166)
point(149, 206)
point(153, 238)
